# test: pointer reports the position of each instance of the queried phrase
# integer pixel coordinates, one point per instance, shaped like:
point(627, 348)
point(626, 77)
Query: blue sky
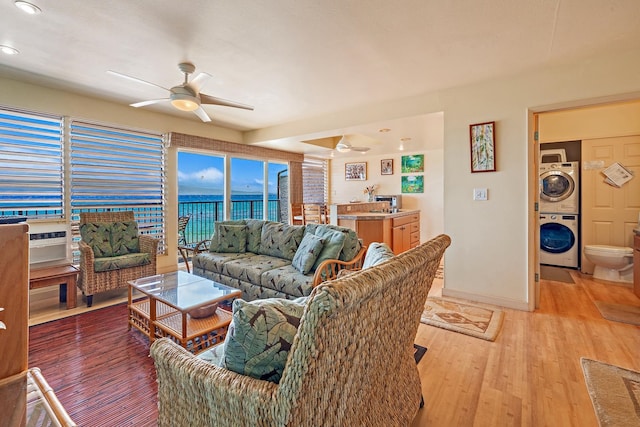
point(202, 174)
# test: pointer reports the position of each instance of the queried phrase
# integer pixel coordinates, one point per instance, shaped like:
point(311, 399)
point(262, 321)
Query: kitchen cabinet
point(405, 232)
point(399, 230)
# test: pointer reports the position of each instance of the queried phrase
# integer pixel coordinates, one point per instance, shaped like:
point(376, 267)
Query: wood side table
point(63, 275)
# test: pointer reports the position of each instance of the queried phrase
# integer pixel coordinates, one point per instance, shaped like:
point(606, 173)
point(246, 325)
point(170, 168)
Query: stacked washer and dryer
point(559, 209)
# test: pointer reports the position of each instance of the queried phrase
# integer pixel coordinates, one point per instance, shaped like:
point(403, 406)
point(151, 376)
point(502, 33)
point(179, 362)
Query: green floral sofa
point(267, 259)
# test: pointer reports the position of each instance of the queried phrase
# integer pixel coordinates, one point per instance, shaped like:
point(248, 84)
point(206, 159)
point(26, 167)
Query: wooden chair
point(312, 214)
point(296, 214)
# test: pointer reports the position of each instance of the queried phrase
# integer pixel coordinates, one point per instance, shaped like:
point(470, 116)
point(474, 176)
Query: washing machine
point(560, 187)
point(559, 244)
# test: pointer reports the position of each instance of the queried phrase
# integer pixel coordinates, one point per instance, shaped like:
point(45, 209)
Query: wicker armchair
point(351, 361)
point(92, 279)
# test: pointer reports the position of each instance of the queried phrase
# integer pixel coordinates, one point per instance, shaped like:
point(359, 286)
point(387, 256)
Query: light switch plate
point(480, 194)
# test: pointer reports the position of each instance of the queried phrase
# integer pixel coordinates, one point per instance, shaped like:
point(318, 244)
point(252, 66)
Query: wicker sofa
point(350, 361)
point(266, 259)
point(112, 252)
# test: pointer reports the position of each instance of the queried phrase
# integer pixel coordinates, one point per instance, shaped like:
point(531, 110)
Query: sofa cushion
point(307, 253)
point(333, 243)
point(213, 247)
point(377, 253)
point(124, 238)
point(213, 354)
point(280, 240)
point(232, 238)
point(213, 261)
point(98, 237)
point(251, 269)
point(260, 337)
point(287, 280)
point(121, 261)
point(254, 234)
point(351, 245)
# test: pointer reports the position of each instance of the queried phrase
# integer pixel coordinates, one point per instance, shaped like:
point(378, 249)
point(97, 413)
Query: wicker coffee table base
point(199, 335)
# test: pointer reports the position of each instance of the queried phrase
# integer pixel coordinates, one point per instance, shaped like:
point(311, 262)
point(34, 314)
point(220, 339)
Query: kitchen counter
point(400, 230)
point(375, 215)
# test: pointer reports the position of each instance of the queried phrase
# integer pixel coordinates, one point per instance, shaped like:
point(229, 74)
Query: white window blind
point(31, 165)
point(314, 181)
point(115, 169)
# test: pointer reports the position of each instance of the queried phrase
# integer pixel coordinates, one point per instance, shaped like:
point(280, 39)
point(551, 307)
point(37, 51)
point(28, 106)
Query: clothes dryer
point(559, 240)
point(560, 187)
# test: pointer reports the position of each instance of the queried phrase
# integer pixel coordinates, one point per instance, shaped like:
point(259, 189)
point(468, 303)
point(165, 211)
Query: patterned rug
point(463, 317)
point(614, 392)
point(418, 352)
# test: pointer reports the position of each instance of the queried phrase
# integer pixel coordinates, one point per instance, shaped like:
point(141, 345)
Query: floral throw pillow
point(232, 238)
point(260, 336)
point(307, 253)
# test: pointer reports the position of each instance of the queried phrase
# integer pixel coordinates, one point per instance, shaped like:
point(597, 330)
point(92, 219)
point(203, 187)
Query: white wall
point(430, 203)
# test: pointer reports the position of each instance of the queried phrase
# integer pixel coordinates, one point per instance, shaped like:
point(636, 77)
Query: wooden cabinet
point(405, 231)
point(14, 298)
point(636, 265)
point(401, 231)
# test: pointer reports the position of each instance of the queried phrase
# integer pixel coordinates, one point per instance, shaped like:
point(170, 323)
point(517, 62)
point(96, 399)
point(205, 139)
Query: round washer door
point(556, 185)
point(556, 238)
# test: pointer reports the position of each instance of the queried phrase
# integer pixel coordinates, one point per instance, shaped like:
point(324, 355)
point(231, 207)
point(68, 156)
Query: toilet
point(612, 263)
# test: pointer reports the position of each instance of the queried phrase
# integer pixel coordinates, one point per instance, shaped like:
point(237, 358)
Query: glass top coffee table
point(168, 300)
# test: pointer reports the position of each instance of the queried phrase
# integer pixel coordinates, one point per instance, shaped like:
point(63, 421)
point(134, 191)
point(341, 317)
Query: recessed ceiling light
point(384, 130)
point(27, 7)
point(8, 50)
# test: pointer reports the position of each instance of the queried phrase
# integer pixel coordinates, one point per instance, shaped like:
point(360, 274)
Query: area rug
point(556, 274)
point(614, 392)
point(619, 312)
point(463, 317)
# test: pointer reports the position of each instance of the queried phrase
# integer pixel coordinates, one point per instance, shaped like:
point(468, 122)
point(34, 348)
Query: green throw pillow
point(98, 237)
point(124, 238)
point(280, 240)
point(232, 238)
point(333, 243)
point(213, 247)
point(376, 254)
point(260, 336)
point(307, 253)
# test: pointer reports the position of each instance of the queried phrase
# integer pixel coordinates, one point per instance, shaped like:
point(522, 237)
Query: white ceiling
point(295, 60)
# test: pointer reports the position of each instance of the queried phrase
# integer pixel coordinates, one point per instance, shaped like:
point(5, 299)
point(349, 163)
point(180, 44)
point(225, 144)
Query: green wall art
point(413, 184)
point(411, 164)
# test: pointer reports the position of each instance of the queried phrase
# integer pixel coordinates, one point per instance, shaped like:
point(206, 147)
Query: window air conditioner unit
point(49, 244)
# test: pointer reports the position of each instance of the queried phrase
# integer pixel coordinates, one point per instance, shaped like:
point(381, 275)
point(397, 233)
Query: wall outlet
point(480, 194)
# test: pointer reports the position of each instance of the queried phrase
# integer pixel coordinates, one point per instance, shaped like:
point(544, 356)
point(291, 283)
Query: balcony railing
point(205, 214)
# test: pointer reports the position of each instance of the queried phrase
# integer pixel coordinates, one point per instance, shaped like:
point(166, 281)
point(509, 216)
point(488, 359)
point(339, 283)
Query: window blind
point(314, 181)
point(119, 169)
point(31, 165)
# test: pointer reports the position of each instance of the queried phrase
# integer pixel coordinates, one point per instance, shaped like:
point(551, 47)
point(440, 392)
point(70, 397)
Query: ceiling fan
point(344, 146)
point(186, 96)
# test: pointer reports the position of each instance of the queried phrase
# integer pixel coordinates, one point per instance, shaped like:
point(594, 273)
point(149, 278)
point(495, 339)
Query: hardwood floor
point(529, 376)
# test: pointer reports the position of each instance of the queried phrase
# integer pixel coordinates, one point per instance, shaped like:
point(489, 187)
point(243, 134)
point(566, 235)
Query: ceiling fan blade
point(202, 114)
point(135, 79)
point(212, 100)
point(199, 81)
point(152, 101)
point(361, 149)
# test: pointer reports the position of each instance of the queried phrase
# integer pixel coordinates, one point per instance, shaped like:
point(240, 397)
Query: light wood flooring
point(530, 376)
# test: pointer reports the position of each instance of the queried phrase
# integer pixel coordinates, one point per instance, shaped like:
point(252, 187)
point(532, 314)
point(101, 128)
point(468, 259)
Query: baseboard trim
point(502, 302)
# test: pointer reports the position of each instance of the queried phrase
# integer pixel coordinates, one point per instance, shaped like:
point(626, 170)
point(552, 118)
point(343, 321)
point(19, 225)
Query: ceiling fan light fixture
point(8, 50)
point(184, 102)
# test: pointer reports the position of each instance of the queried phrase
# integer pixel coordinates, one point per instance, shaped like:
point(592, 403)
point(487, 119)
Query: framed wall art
point(412, 184)
point(386, 167)
point(483, 147)
point(355, 171)
point(412, 164)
